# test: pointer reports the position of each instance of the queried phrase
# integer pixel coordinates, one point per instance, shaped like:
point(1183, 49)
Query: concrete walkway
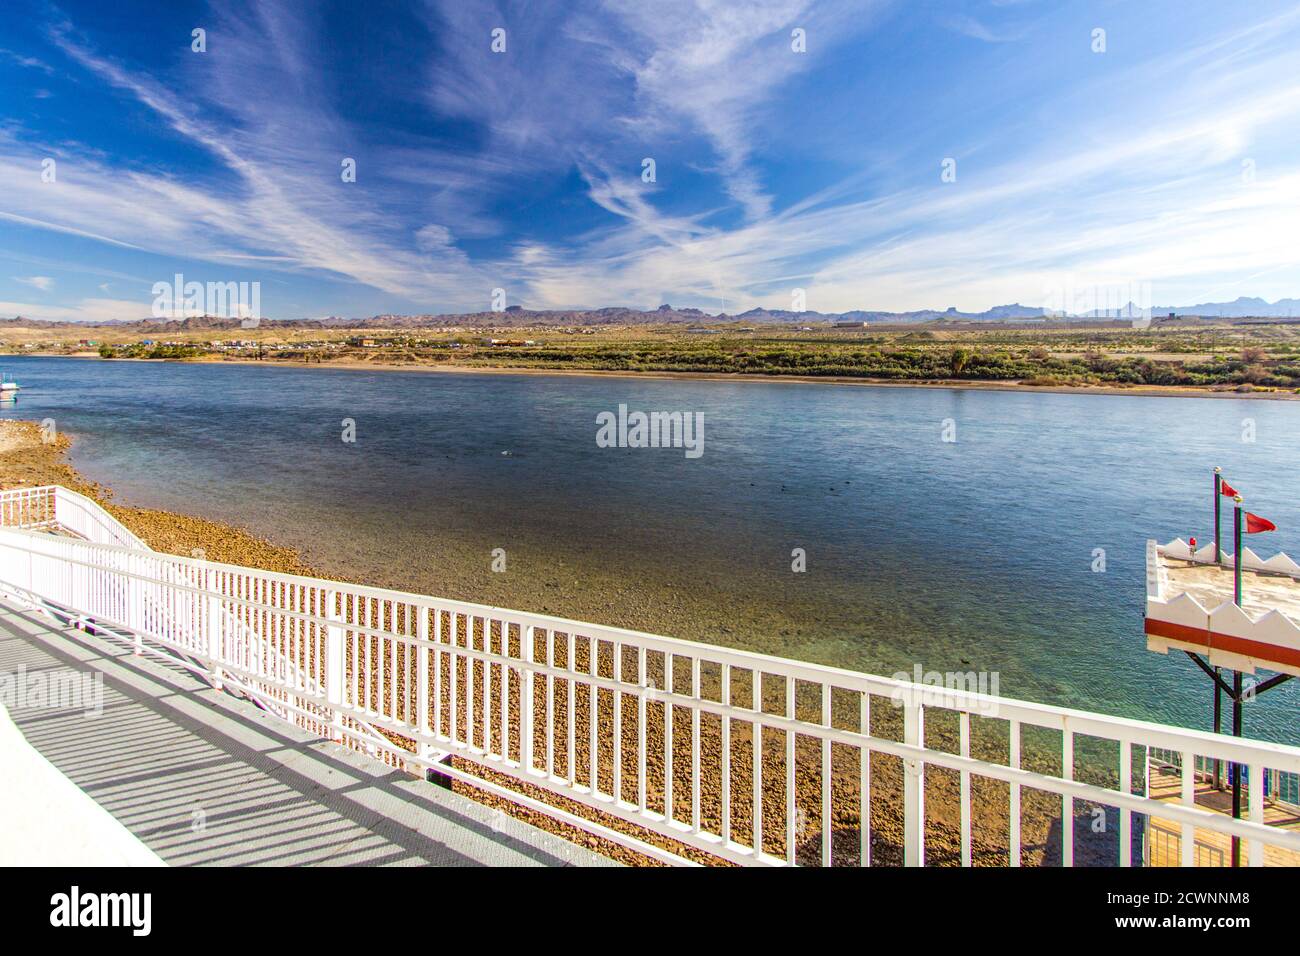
point(201, 777)
point(33, 791)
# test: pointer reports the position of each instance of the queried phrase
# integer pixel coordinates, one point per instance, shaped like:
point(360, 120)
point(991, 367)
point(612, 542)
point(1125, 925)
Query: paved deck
point(201, 777)
point(1212, 585)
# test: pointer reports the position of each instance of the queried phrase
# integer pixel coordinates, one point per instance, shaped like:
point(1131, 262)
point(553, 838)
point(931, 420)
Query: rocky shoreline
point(28, 457)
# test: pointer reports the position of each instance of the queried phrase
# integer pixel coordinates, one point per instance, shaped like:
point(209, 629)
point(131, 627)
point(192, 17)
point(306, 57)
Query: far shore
point(1165, 391)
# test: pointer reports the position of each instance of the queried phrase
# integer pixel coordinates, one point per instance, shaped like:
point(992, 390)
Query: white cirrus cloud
point(92, 311)
point(1147, 186)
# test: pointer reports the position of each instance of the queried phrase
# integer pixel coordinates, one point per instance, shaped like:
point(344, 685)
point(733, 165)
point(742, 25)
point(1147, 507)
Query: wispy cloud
point(30, 62)
point(44, 283)
point(1167, 204)
point(278, 214)
point(83, 310)
point(521, 170)
point(968, 26)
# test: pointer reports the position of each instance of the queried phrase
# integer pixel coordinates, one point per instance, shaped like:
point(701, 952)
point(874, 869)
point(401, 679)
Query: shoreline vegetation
point(1257, 359)
point(1165, 391)
point(27, 459)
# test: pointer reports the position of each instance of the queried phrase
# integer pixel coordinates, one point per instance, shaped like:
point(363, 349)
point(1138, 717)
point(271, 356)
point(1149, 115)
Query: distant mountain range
point(1241, 308)
point(998, 313)
point(1244, 307)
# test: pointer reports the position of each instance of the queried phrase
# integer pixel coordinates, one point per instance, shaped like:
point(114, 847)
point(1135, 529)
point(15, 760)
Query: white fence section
point(52, 507)
point(657, 735)
point(30, 508)
point(84, 518)
point(1279, 787)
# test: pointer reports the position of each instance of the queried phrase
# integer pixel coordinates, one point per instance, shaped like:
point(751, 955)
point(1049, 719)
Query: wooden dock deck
point(1165, 840)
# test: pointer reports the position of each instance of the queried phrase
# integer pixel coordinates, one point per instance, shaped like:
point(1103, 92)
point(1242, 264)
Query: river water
point(1016, 549)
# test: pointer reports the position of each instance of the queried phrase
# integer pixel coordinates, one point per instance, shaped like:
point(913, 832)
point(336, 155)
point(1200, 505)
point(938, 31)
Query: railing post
point(1126, 815)
point(214, 628)
point(1067, 801)
point(1255, 848)
point(422, 679)
point(913, 786)
point(963, 733)
point(334, 662)
point(135, 600)
point(1187, 776)
point(31, 573)
point(526, 703)
point(1013, 812)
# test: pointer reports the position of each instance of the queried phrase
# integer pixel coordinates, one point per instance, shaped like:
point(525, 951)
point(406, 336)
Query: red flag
point(1226, 489)
point(1255, 524)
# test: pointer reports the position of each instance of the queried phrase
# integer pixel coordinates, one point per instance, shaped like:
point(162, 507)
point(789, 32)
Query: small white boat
point(8, 387)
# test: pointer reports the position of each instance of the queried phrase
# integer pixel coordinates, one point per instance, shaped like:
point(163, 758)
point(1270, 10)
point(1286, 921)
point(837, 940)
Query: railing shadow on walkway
point(214, 781)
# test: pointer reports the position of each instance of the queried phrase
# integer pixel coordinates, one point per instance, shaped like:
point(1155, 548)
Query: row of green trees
point(138, 350)
point(1035, 366)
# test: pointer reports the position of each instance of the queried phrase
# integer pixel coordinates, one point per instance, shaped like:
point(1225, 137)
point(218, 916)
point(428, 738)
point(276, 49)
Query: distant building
point(850, 325)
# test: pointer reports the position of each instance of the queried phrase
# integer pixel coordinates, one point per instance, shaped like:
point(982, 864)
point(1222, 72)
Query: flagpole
point(1236, 767)
point(1218, 562)
point(1218, 491)
point(1218, 727)
point(1236, 549)
point(1236, 675)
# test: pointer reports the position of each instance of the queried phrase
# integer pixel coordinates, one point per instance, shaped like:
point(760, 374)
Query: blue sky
point(1171, 159)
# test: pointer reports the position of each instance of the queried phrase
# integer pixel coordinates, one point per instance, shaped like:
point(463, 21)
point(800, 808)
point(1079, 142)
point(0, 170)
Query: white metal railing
point(32, 508)
point(86, 519)
point(1164, 844)
point(1280, 787)
point(656, 735)
point(53, 507)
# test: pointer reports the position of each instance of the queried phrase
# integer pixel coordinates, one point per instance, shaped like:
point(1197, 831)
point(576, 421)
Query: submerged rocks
point(31, 455)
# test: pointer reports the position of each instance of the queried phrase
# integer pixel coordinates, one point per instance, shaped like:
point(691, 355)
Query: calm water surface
point(976, 554)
